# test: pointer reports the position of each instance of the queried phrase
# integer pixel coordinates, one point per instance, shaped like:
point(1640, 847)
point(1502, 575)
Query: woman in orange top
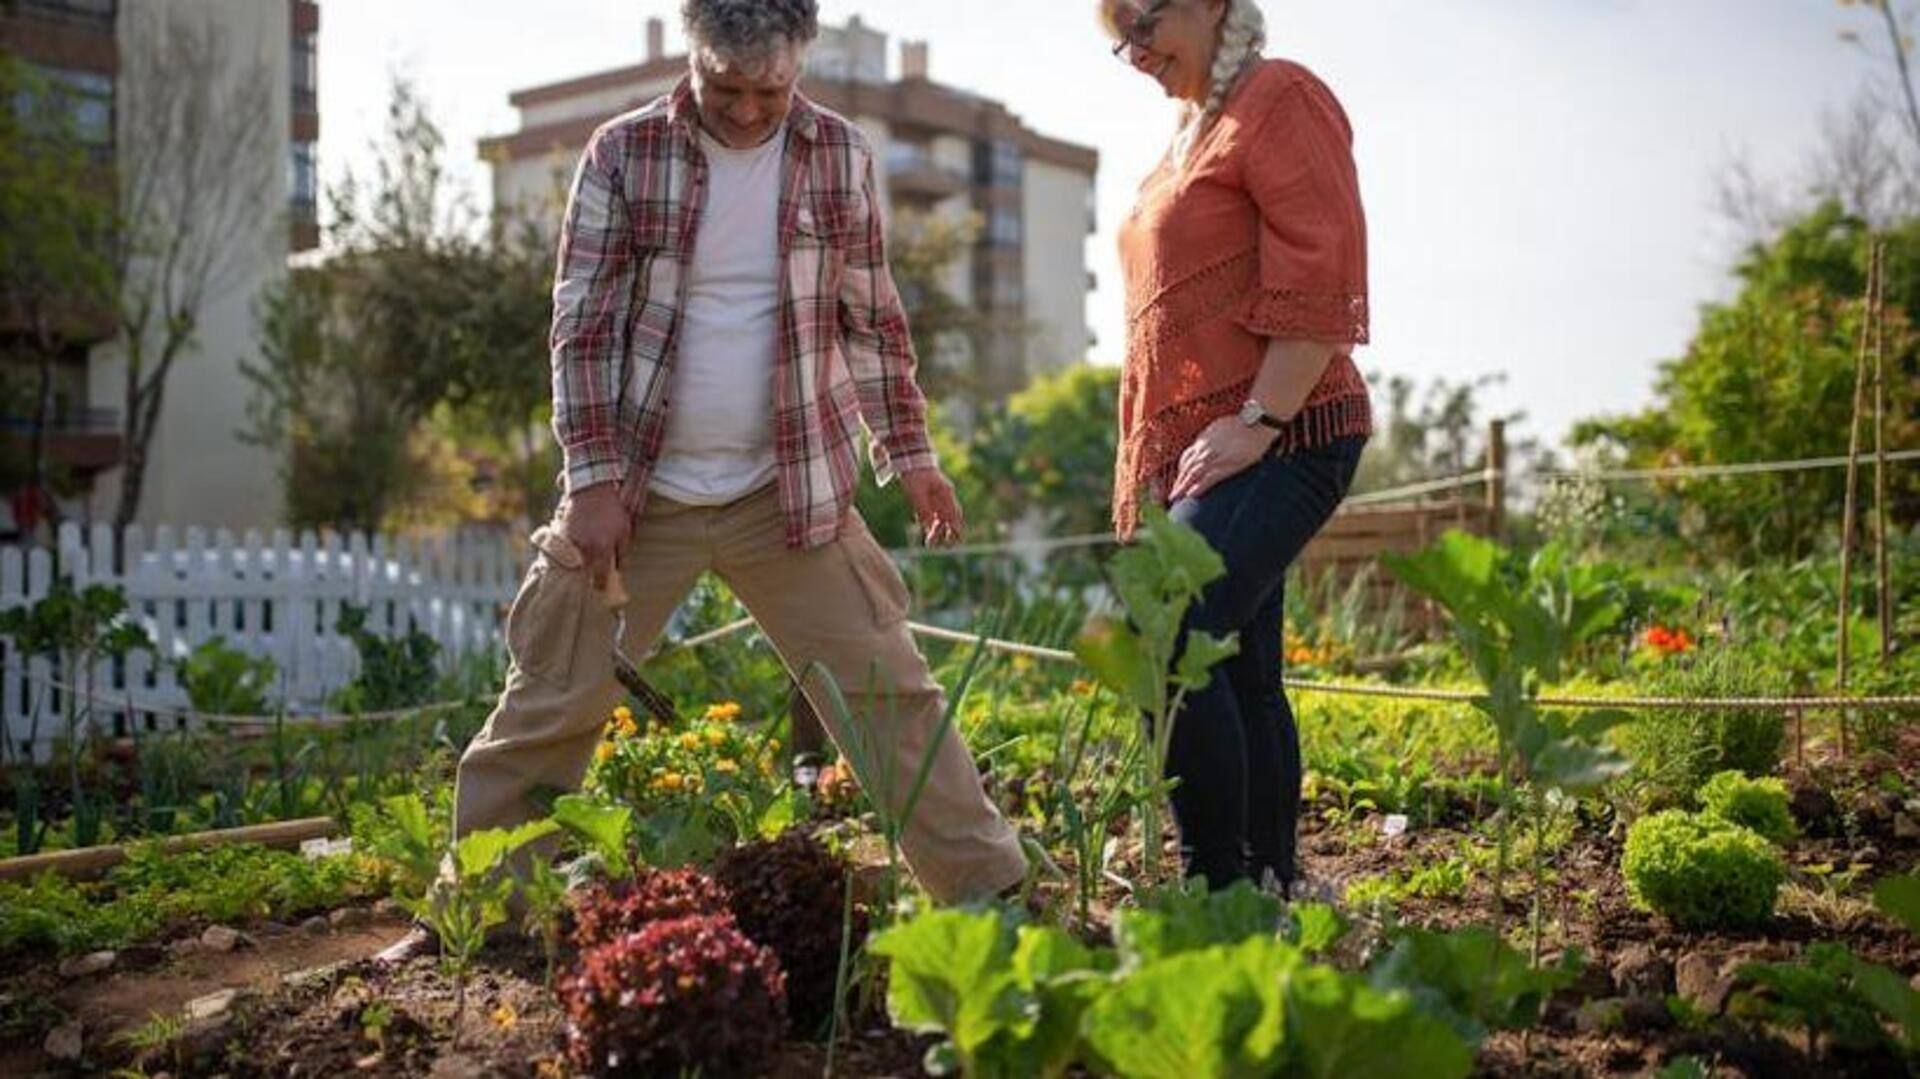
point(1245, 262)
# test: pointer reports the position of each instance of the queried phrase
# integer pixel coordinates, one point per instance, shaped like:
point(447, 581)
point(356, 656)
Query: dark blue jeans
point(1235, 747)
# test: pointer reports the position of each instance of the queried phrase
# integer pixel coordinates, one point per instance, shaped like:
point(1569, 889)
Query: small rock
point(64, 1042)
point(1705, 981)
point(318, 925)
point(86, 966)
point(1645, 1015)
point(222, 939)
point(350, 917)
point(1639, 971)
point(1905, 826)
point(387, 907)
point(185, 946)
point(211, 1006)
point(319, 975)
point(1600, 1016)
point(141, 956)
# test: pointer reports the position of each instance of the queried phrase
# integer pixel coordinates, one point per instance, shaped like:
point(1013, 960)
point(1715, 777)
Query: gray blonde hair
point(747, 29)
point(1243, 33)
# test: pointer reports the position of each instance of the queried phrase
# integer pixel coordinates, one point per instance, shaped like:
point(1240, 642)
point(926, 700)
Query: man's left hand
point(935, 506)
point(1225, 449)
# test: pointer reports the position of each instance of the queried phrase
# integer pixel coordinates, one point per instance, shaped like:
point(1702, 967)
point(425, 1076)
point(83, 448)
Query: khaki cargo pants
point(842, 606)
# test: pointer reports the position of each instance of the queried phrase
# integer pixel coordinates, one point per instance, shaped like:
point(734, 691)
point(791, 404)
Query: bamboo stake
point(1853, 479)
point(1880, 512)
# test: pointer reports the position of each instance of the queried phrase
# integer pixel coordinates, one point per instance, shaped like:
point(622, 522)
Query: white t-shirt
point(719, 438)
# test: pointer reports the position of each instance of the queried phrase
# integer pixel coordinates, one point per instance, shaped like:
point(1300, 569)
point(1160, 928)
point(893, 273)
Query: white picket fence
point(278, 596)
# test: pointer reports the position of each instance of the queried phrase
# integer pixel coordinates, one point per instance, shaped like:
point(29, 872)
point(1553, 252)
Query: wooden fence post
point(1496, 478)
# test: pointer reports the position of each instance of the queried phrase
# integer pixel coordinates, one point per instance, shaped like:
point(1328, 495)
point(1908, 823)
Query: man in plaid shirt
point(724, 321)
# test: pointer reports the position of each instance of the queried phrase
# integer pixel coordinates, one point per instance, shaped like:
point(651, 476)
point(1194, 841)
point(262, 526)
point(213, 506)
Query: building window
point(304, 184)
point(1003, 227)
point(306, 73)
point(998, 164)
point(81, 100)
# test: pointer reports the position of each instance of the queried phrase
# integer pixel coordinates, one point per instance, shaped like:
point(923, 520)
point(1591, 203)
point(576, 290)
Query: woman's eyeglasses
point(1140, 33)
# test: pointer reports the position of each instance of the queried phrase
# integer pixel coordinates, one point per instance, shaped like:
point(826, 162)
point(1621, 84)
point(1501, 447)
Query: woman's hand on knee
point(1225, 449)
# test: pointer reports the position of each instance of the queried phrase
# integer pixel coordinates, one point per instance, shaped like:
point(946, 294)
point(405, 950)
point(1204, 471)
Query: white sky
point(1539, 174)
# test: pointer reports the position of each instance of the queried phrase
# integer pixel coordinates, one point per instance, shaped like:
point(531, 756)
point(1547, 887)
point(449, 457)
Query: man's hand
point(1222, 451)
point(935, 506)
point(596, 521)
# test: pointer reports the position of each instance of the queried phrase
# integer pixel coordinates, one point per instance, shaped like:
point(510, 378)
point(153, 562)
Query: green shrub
point(1759, 804)
point(1674, 751)
point(1700, 871)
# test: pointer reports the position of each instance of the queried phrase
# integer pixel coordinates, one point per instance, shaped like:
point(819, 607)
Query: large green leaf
point(606, 828)
point(1899, 898)
point(1114, 654)
point(1214, 1013)
point(1316, 927)
point(480, 853)
point(1338, 1027)
point(1470, 978)
point(1893, 996)
point(950, 972)
point(1198, 658)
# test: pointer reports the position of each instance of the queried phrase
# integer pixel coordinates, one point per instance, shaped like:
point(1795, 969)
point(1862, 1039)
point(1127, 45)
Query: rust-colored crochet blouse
point(1260, 236)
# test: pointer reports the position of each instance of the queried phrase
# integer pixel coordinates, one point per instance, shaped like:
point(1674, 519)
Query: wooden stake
point(1843, 648)
point(1880, 513)
point(89, 862)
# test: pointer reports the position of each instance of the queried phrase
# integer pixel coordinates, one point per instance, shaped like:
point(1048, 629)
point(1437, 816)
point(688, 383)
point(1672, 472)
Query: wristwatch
point(1254, 414)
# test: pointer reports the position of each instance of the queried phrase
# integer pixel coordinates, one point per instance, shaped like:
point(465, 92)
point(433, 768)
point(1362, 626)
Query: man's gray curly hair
point(741, 29)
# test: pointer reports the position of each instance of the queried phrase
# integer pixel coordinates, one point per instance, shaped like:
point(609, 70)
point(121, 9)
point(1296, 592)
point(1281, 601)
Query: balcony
point(913, 174)
point(92, 14)
point(84, 440)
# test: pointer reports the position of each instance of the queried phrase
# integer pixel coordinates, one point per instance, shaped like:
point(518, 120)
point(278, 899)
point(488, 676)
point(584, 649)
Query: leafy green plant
point(1517, 625)
point(1700, 871)
point(455, 887)
point(393, 673)
point(1007, 998)
point(1185, 917)
point(543, 894)
point(1259, 1008)
point(75, 629)
point(1471, 979)
point(1676, 750)
point(222, 680)
point(1831, 993)
point(1144, 658)
point(1757, 804)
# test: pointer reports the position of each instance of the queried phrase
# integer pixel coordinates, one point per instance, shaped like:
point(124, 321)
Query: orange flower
point(724, 712)
point(604, 753)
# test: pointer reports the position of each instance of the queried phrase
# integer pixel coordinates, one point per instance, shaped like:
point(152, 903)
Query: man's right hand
point(597, 522)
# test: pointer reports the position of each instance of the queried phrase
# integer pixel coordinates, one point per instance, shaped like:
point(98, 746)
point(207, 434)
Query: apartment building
point(199, 472)
point(941, 152)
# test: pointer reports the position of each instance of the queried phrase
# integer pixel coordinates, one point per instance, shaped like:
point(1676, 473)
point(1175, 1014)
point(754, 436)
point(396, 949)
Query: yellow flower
point(689, 740)
point(726, 764)
point(505, 1017)
point(604, 753)
point(624, 726)
point(623, 714)
point(1022, 663)
point(716, 737)
point(766, 767)
point(1082, 687)
point(671, 781)
point(724, 712)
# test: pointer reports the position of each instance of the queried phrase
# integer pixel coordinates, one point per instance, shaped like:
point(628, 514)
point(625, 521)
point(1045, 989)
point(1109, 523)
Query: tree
point(55, 277)
point(395, 375)
point(197, 157)
point(1769, 376)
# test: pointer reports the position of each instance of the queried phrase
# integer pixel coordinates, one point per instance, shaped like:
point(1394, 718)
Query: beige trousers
point(842, 606)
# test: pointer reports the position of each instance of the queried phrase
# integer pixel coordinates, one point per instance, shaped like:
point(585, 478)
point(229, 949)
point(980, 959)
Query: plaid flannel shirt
point(845, 357)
